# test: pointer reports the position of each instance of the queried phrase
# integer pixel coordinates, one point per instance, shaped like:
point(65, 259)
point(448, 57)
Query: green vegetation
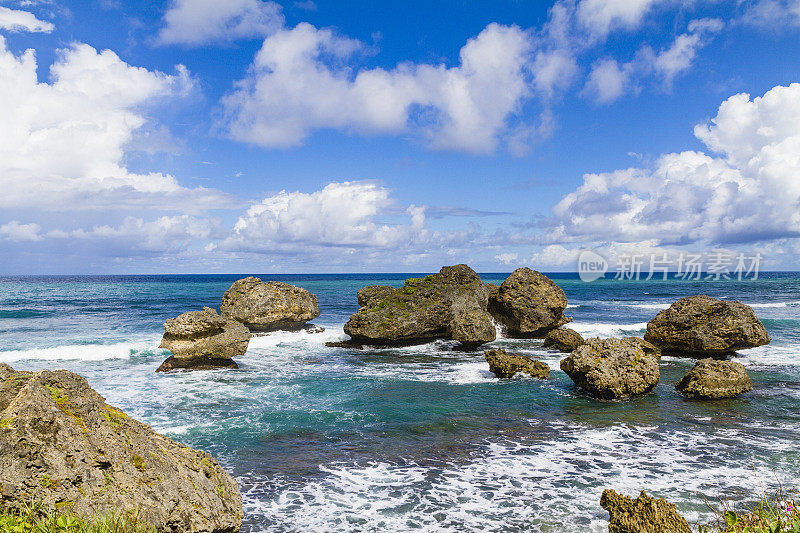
point(33, 519)
point(773, 514)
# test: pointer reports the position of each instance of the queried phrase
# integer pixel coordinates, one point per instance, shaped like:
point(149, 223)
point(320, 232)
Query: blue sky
point(255, 136)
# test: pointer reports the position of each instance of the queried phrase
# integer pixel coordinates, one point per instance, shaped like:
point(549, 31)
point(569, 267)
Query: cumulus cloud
point(608, 80)
point(746, 190)
point(678, 58)
point(22, 21)
point(196, 22)
point(773, 14)
point(600, 17)
point(300, 82)
point(17, 232)
point(62, 144)
point(507, 258)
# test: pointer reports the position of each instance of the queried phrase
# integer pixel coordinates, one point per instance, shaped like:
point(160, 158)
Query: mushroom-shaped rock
point(269, 306)
point(201, 340)
point(528, 304)
point(614, 368)
point(506, 365)
point(699, 326)
point(645, 514)
point(61, 444)
point(448, 305)
point(711, 379)
point(563, 339)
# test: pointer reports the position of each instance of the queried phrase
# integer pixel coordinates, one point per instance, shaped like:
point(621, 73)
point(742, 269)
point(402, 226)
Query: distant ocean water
point(425, 438)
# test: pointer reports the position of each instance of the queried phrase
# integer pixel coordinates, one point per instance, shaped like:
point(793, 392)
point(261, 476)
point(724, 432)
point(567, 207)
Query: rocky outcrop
point(269, 306)
point(448, 305)
point(614, 368)
point(529, 304)
point(63, 446)
point(645, 514)
point(700, 326)
point(505, 365)
point(710, 379)
point(201, 340)
point(563, 340)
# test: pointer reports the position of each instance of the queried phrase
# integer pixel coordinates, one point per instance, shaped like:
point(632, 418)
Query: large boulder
point(201, 340)
point(711, 379)
point(448, 305)
point(700, 326)
point(614, 368)
point(563, 339)
point(505, 365)
point(645, 514)
point(269, 306)
point(62, 446)
point(528, 304)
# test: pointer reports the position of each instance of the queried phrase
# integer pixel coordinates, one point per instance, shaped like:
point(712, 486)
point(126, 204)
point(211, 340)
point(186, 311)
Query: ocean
point(425, 438)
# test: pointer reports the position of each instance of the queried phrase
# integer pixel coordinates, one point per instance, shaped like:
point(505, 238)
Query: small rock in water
point(711, 379)
point(645, 514)
point(505, 365)
point(269, 306)
point(313, 328)
point(563, 339)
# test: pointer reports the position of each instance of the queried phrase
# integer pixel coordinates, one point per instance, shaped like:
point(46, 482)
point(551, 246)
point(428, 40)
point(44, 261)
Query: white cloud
point(17, 232)
point(608, 80)
point(749, 192)
point(600, 17)
point(771, 14)
point(300, 83)
point(62, 144)
point(507, 258)
point(678, 58)
point(554, 70)
point(22, 21)
point(196, 22)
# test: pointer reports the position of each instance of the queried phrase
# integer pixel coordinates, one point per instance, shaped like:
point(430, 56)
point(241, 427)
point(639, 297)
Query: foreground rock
point(710, 379)
point(202, 340)
point(448, 305)
point(704, 326)
point(614, 368)
point(529, 304)
point(505, 365)
point(269, 306)
point(63, 446)
point(645, 514)
point(563, 339)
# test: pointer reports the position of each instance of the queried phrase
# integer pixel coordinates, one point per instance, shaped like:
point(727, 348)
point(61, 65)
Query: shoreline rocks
point(505, 365)
point(611, 369)
point(202, 340)
point(702, 326)
point(645, 514)
point(712, 379)
point(528, 304)
point(269, 306)
point(563, 339)
point(63, 446)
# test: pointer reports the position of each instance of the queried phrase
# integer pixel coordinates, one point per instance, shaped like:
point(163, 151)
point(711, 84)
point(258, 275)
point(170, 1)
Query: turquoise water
point(424, 438)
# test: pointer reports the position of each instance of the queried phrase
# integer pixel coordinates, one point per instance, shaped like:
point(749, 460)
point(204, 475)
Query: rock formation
point(63, 446)
point(269, 306)
point(563, 339)
point(710, 379)
point(505, 365)
point(645, 514)
point(701, 326)
point(201, 340)
point(528, 304)
point(614, 368)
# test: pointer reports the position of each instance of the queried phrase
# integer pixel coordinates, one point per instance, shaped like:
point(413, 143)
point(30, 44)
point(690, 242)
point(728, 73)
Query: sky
point(198, 136)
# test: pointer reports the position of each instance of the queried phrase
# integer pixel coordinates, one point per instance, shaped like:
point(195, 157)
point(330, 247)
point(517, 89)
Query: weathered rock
point(529, 304)
point(505, 365)
point(700, 326)
point(448, 305)
point(563, 340)
point(710, 379)
point(645, 514)
point(63, 446)
point(202, 339)
point(268, 306)
point(614, 368)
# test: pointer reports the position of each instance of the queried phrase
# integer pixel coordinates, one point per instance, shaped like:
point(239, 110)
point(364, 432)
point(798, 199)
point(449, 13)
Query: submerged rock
point(448, 305)
point(201, 340)
point(63, 446)
point(563, 340)
point(704, 326)
point(614, 368)
point(269, 306)
point(505, 365)
point(529, 304)
point(645, 514)
point(710, 379)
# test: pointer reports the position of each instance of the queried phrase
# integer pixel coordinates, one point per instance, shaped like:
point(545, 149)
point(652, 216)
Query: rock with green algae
point(645, 514)
point(563, 339)
point(711, 379)
point(63, 446)
point(505, 365)
point(269, 306)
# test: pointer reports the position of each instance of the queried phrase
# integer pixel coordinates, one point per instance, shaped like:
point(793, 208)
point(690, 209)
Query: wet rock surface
point(644, 514)
point(563, 339)
point(528, 304)
point(711, 379)
point(269, 306)
point(505, 365)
